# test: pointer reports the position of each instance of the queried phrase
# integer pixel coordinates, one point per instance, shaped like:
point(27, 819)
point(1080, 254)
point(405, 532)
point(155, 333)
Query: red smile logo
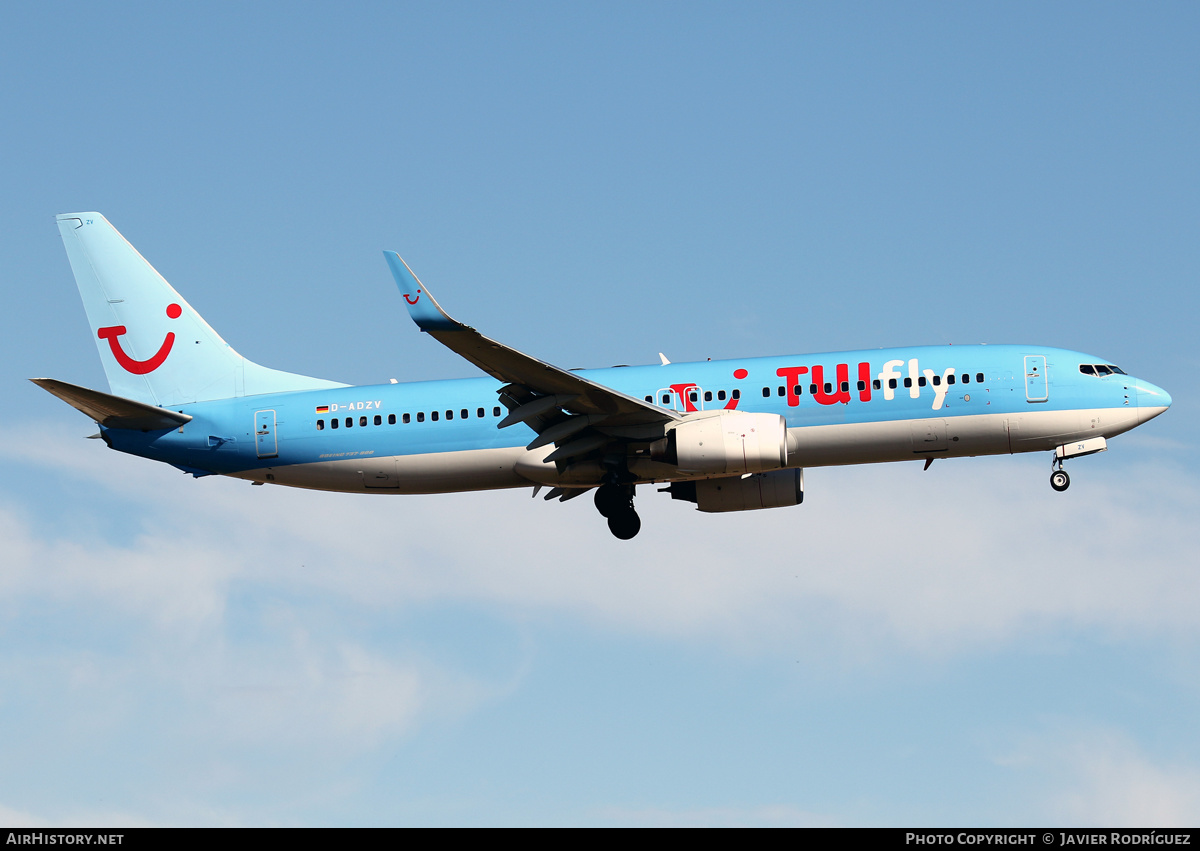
point(413, 300)
point(139, 367)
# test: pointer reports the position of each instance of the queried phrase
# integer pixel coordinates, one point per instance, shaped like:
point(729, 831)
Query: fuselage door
point(1037, 389)
point(265, 443)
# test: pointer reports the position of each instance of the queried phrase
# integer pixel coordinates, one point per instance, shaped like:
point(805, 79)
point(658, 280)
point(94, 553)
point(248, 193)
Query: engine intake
point(730, 442)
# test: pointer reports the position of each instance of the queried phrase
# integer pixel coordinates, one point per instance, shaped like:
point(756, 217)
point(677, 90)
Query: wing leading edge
point(576, 414)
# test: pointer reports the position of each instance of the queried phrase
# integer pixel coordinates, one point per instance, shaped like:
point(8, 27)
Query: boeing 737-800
point(729, 435)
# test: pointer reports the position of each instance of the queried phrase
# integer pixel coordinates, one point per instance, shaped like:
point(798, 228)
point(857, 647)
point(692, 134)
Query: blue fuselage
point(857, 406)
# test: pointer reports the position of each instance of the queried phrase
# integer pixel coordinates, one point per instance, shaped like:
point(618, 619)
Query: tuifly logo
point(140, 367)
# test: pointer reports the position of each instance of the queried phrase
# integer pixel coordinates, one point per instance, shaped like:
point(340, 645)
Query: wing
point(578, 415)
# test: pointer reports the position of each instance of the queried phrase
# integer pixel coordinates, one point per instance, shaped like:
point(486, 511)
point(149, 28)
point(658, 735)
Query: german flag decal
point(322, 409)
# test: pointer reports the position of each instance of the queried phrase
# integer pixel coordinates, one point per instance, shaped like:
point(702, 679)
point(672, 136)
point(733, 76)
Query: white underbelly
point(435, 472)
point(808, 446)
point(951, 437)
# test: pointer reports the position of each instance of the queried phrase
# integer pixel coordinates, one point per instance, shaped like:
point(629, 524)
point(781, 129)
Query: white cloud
point(18, 819)
point(156, 615)
point(156, 569)
point(1093, 776)
point(974, 552)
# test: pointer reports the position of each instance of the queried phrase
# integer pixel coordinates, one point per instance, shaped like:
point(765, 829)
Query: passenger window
point(391, 419)
point(666, 398)
point(950, 378)
point(464, 414)
point(892, 383)
point(349, 422)
point(496, 411)
point(782, 391)
point(862, 385)
point(433, 415)
point(320, 425)
point(798, 390)
point(812, 389)
point(921, 381)
point(766, 392)
point(421, 416)
point(362, 421)
point(845, 386)
point(649, 398)
point(449, 415)
point(407, 419)
point(693, 397)
point(937, 381)
point(479, 412)
point(736, 394)
point(707, 395)
point(720, 395)
point(979, 378)
point(828, 388)
point(877, 384)
point(378, 420)
point(908, 382)
point(333, 423)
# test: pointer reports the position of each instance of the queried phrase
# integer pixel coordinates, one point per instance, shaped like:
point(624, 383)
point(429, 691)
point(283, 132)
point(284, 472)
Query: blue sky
point(957, 646)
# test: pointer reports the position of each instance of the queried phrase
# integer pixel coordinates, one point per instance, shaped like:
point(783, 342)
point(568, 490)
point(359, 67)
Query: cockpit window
point(1100, 369)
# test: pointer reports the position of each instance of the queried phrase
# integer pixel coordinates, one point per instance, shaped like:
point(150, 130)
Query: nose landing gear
point(1059, 480)
point(615, 502)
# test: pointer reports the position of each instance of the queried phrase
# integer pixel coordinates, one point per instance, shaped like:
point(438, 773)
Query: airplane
point(726, 435)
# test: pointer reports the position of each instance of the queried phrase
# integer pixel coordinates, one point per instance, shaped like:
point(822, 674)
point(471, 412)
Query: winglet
point(422, 306)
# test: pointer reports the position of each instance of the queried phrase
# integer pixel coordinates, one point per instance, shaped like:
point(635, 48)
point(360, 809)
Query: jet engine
point(776, 489)
point(727, 443)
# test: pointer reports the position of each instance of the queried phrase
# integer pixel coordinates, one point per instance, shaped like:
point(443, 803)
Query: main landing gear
point(615, 502)
point(1059, 480)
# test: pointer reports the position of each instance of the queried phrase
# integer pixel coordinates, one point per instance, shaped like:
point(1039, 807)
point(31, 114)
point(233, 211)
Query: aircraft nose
point(1151, 400)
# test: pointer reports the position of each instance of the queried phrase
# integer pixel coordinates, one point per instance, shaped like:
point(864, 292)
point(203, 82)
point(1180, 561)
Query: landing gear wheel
point(625, 525)
point(1059, 480)
point(611, 500)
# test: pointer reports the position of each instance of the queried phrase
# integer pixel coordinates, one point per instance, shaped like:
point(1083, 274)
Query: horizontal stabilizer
point(113, 411)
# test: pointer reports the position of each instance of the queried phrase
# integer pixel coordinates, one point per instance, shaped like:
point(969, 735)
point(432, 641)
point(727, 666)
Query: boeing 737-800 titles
point(728, 435)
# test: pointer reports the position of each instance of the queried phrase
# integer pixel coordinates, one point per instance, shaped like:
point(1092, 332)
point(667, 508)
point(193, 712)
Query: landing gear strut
point(615, 502)
point(1059, 480)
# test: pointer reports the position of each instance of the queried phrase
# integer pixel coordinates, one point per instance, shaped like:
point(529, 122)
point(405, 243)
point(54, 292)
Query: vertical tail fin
point(154, 346)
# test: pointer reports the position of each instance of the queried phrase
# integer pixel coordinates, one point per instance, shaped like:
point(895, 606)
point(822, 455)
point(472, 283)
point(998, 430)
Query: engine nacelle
point(776, 489)
point(726, 443)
